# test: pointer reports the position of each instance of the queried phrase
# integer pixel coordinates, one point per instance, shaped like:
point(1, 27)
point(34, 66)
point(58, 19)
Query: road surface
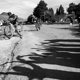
point(53, 53)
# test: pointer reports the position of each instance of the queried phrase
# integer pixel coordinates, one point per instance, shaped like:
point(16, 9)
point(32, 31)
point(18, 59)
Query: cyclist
point(14, 20)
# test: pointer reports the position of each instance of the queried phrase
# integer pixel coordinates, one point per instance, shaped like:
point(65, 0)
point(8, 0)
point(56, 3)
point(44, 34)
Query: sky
point(23, 8)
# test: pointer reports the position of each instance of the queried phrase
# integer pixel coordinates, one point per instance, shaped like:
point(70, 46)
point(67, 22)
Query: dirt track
point(47, 54)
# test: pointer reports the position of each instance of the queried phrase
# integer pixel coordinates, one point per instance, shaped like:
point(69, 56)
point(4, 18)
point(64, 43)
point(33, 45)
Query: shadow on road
point(58, 53)
point(75, 30)
point(30, 30)
point(64, 52)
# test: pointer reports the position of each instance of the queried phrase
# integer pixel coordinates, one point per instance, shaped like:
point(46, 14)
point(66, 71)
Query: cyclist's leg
point(36, 27)
point(17, 31)
point(39, 26)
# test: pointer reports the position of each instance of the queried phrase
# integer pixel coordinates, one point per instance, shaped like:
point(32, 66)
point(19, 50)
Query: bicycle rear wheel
point(8, 31)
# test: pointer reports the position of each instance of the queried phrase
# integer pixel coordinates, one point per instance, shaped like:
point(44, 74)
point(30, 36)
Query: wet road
point(53, 53)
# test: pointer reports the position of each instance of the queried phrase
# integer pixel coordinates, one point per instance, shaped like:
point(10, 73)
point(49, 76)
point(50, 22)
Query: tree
point(76, 9)
point(72, 7)
point(57, 12)
point(51, 11)
point(61, 10)
point(40, 9)
point(30, 19)
point(77, 13)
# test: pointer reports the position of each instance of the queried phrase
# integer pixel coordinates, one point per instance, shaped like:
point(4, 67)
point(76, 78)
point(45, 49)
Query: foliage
point(49, 15)
point(40, 9)
point(76, 9)
point(57, 11)
point(61, 10)
point(42, 12)
point(72, 7)
point(30, 19)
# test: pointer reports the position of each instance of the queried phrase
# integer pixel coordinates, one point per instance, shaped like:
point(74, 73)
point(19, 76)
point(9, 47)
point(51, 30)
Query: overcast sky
point(24, 8)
